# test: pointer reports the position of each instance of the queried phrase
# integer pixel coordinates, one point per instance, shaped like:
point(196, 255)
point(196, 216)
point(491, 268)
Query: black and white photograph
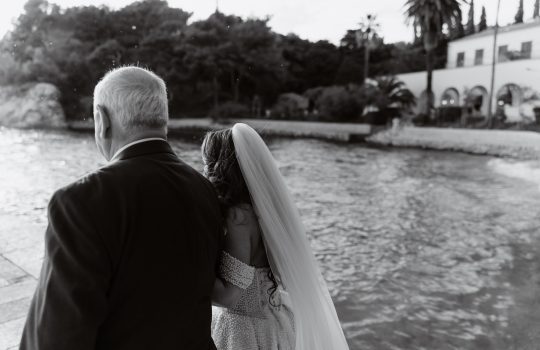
point(270, 175)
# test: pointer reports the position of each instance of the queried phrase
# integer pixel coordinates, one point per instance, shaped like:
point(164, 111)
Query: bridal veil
point(288, 249)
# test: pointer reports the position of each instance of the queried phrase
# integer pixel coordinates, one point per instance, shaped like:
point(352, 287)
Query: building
point(466, 79)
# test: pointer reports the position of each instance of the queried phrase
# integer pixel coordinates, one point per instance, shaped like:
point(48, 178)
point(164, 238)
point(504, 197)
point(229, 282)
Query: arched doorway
point(509, 98)
point(509, 94)
point(450, 98)
point(477, 101)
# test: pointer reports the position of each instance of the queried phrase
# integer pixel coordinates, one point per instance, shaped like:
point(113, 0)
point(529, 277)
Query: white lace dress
point(254, 322)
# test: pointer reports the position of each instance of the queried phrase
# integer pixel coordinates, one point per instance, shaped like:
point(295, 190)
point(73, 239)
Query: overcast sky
point(310, 19)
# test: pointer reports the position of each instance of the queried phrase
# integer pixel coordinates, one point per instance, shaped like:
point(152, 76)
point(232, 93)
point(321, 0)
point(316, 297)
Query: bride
point(271, 292)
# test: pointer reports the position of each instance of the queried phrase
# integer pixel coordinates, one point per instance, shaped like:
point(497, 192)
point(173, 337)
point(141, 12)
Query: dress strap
point(235, 271)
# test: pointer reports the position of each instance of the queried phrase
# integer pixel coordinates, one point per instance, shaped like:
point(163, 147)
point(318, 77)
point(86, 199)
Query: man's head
point(130, 103)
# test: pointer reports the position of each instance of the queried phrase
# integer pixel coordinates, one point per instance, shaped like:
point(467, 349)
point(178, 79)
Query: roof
point(505, 29)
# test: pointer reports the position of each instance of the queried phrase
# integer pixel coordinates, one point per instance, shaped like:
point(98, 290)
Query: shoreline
point(523, 145)
point(517, 144)
point(341, 132)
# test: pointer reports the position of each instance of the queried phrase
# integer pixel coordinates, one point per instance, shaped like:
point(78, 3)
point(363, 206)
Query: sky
point(310, 19)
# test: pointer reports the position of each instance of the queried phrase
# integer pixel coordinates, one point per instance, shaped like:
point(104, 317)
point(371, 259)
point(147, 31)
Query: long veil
point(288, 249)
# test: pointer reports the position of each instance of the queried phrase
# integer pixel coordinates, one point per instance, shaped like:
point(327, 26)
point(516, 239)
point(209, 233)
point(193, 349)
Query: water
point(421, 250)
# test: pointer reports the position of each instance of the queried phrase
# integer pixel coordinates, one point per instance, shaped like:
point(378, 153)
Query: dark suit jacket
point(131, 251)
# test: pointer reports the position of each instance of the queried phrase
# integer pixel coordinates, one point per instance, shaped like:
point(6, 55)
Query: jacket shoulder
point(85, 188)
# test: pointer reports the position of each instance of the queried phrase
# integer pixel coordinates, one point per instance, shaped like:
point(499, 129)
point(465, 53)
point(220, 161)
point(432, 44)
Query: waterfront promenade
point(500, 143)
point(21, 252)
point(344, 132)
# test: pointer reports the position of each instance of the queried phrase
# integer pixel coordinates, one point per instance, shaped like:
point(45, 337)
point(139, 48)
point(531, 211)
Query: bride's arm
point(235, 274)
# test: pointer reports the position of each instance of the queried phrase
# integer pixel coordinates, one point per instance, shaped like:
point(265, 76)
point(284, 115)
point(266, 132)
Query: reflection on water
point(528, 171)
point(421, 250)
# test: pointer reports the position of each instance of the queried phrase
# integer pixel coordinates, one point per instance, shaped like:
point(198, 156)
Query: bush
point(229, 110)
point(290, 106)
point(339, 103)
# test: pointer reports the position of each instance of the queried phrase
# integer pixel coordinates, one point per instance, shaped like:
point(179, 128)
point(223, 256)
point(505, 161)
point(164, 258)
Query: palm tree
point(387, 91)
point(431, 15)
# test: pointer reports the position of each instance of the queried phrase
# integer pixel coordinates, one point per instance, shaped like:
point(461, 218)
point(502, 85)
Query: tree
point(205, 57)
point(519, 14)
point(309, 64)
point(456, 29)
point(470, 20)
point(237, 58)
point(368, 29)
point(256, 58)
point(408, 57)
point(482, 25)
point(431, 15)
point(536, 12)
point(30, 29)
point(223, 58)
point(73, 47)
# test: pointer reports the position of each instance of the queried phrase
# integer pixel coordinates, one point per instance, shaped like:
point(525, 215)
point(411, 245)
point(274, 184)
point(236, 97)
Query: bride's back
point(245, 233)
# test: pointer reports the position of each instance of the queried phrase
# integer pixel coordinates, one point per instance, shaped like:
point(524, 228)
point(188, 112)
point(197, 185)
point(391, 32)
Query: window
point(479, 57)
point(503, 53)
point(526, 48)
point(460, 62)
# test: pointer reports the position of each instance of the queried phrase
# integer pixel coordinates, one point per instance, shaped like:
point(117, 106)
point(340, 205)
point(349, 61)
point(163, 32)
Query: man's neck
point(134, 137)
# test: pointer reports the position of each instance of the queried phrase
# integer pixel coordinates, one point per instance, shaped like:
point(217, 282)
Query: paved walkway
point(21, 253)
point(506, 143)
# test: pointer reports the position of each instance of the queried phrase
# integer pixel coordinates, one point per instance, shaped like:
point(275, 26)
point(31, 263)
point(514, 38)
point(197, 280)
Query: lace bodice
point(256, 285)
point(235, 271)
point(257, 321)
point(256, 298)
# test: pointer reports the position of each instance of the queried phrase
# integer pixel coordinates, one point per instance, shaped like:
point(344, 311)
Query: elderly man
point(131, 248)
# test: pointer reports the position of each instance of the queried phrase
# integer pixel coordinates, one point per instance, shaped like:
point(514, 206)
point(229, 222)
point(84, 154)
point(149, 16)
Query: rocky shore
point(501, 143)
point(33, 105)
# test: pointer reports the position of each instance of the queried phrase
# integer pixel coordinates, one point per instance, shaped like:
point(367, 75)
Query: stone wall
point(32, 105)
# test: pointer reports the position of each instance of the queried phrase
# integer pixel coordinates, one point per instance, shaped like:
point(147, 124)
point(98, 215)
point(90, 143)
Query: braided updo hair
point(221, 167)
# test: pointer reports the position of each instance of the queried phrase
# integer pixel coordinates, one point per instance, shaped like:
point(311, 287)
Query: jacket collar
point(143, 148)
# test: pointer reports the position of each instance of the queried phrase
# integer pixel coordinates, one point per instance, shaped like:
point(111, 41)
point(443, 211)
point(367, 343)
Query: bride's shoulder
point(241, 215)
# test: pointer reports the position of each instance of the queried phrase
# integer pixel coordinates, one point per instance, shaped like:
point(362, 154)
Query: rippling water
point(421, 250)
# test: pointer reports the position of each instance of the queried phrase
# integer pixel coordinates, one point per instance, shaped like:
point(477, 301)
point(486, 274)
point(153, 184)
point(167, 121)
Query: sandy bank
point(502, 143)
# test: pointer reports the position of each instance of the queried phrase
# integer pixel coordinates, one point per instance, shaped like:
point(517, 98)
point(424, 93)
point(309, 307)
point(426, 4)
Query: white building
point(467, 77)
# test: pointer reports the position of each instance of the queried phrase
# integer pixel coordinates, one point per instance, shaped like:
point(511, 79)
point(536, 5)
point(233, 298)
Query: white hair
point(135, 96)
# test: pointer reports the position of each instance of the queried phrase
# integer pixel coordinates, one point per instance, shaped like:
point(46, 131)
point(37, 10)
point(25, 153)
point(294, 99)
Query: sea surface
point(420, 249)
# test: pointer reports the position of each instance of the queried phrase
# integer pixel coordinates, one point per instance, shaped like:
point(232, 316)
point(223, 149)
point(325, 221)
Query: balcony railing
point(514, 56)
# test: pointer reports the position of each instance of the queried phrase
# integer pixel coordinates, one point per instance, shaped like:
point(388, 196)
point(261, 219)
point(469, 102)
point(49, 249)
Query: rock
point(32, 105)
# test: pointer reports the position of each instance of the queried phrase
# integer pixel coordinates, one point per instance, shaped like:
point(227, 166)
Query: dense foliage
point(223, 64)
point(470, 20)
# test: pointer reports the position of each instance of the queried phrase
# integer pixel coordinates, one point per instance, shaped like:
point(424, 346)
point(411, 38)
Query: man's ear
point(104, 121)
